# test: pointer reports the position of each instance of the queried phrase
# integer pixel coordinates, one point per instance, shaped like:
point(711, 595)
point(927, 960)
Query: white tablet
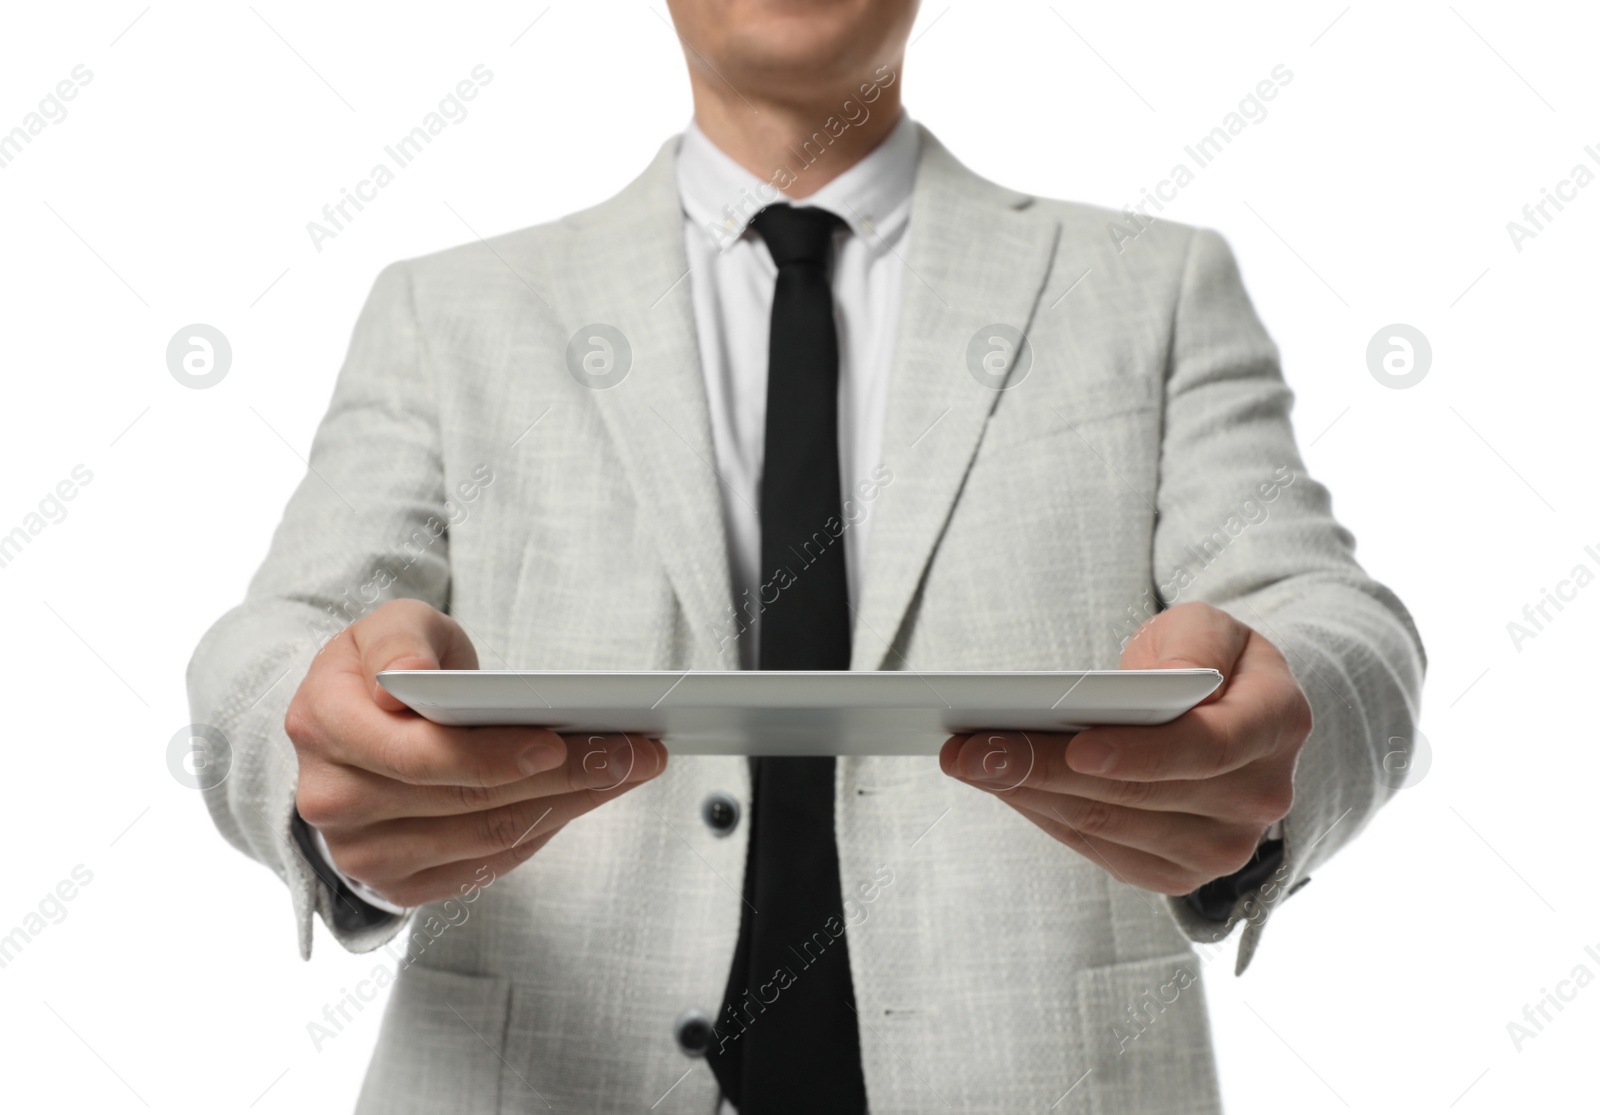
point(800, 712)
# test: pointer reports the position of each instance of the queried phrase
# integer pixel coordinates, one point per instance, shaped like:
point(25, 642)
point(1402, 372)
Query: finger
point(408, 635)
point(968, 758)
point(603, 761)
point(459, 880)
point(1261, 710)
point(1189, 636)
point(1127, 865)
point(401, 746)
point(333, 715)
point(999, 760)
point(378, 852)
point(1203, 844)
point(334, 797)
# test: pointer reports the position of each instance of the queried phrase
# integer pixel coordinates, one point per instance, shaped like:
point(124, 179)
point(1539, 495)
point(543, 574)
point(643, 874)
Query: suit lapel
point(627, 268)
point(979, 255)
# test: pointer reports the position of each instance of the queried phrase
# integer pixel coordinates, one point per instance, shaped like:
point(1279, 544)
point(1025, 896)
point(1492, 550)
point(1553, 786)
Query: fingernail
point(541, 757)
point(642, 760)
point(653, 758)
point(1090, 756)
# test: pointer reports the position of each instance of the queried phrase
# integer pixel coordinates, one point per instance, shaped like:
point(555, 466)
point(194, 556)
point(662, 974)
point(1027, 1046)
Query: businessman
point(807, 393)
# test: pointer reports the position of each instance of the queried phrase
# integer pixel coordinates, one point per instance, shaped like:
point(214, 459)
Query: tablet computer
point(800, 712)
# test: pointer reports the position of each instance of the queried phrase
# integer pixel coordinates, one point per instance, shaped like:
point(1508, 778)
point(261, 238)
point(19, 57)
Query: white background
point(1377, 190)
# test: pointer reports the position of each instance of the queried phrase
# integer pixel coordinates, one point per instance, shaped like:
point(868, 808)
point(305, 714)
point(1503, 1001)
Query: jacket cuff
point(253, 804)
point(1210, 914)
point(1217, 900)
point(354, 909)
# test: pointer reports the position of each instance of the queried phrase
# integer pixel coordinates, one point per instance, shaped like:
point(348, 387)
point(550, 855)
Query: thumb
point(409, 635)
point(1192, 636)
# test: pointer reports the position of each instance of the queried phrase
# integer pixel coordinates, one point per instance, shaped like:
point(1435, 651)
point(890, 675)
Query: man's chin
point(787, 51)
point(778, 44)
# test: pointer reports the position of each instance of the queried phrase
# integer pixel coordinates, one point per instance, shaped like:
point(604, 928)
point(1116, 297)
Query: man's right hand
point(415, 810)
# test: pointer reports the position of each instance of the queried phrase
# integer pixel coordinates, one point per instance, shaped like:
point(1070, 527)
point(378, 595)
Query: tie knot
point(797, 235)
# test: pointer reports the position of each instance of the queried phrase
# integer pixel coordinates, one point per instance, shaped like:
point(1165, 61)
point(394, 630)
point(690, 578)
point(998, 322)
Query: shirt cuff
point(360, 890)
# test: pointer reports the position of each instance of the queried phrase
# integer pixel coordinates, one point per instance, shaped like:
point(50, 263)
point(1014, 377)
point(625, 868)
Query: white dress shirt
point(731, 281)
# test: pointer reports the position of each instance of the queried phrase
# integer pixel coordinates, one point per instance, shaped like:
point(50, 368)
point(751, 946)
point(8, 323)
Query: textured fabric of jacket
point(1141, 454)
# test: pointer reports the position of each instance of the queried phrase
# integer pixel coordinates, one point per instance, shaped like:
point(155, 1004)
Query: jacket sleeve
point(367, 523)
point(1241, 526)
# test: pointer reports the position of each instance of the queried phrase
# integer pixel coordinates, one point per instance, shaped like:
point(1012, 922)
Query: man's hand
point(1172, 807)
point(414, 809)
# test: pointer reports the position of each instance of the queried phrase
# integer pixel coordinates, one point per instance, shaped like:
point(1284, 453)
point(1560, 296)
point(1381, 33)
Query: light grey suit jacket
point(1029, 528)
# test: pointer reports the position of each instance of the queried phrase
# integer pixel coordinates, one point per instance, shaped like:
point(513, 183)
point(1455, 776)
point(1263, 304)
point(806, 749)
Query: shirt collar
point(873, 197)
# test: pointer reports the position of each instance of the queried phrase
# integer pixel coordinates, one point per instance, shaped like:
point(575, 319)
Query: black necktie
point(787, 1040)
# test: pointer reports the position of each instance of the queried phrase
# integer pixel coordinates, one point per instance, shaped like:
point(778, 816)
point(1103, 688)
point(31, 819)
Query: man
point(594, 444)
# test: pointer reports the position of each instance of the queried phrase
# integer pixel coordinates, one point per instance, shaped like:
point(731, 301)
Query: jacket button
point(693, 1032)
point(720, 813)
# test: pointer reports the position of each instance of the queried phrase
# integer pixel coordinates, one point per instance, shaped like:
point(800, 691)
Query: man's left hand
point(1168, 808)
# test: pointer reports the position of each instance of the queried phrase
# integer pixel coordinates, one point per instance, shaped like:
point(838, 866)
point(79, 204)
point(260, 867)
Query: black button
point(693, 1032)
point(720, 813)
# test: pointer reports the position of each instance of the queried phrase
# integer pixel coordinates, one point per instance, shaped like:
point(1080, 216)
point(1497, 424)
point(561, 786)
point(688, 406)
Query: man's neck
point(799, 146)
